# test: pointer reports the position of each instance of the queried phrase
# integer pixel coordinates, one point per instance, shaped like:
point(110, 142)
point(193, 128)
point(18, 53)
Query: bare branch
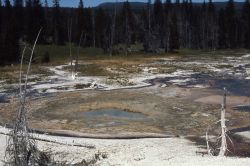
point(20, 73)
point(223, 147)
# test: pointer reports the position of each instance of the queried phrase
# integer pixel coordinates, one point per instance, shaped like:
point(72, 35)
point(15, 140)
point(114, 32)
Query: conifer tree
point(231, 31)
point(203, 25)
point(47, 29)
point(35, 20)
point(18, 16)
point(1, 38)
point(29, 19)
point(158, 26)
point(126, 26)
point(147, 17)
point(39, 21)
point(245, 16)
point(81, 30)
point(10, 38)
point(167, 23)
point(212, 42)
point(101, 28)
point(57, 23)
point(222, 30)
point(158, 22)
point(174, 37)
point(113, 29)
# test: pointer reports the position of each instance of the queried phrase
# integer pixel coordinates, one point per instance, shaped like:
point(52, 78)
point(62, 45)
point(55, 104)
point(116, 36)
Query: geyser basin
point(114, 113)
point(148, 110)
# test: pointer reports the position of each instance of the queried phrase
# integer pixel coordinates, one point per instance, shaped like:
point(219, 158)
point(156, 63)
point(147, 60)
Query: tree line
point(159, 26)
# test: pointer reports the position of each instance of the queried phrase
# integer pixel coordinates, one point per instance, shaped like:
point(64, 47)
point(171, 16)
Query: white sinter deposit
point(143, 152)
point(62, 80)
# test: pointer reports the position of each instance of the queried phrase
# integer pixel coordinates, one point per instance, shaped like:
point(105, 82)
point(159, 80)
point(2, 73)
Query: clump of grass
point(225, 66)
point(90, 70)
point(82, 86)
point(120, 80)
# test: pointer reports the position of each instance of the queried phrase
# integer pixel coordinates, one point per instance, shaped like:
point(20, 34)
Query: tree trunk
point(70, 44)
point(223, 147)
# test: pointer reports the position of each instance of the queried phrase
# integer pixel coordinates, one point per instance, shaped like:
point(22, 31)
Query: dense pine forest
point(160, 26)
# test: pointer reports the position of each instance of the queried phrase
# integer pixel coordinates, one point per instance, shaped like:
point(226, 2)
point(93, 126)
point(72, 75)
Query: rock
point(163, 86)
point(204, 114)
point(94, 85)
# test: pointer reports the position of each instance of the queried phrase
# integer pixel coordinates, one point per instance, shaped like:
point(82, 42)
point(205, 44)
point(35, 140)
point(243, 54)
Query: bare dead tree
point(223, 147)
point(21, 148)
point(209, 150)
point(21, 69)
point(78, 52)
point(70, 46)
point(223, 136)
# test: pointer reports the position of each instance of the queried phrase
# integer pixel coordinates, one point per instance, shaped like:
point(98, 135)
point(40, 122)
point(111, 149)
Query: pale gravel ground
point(157, 151)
